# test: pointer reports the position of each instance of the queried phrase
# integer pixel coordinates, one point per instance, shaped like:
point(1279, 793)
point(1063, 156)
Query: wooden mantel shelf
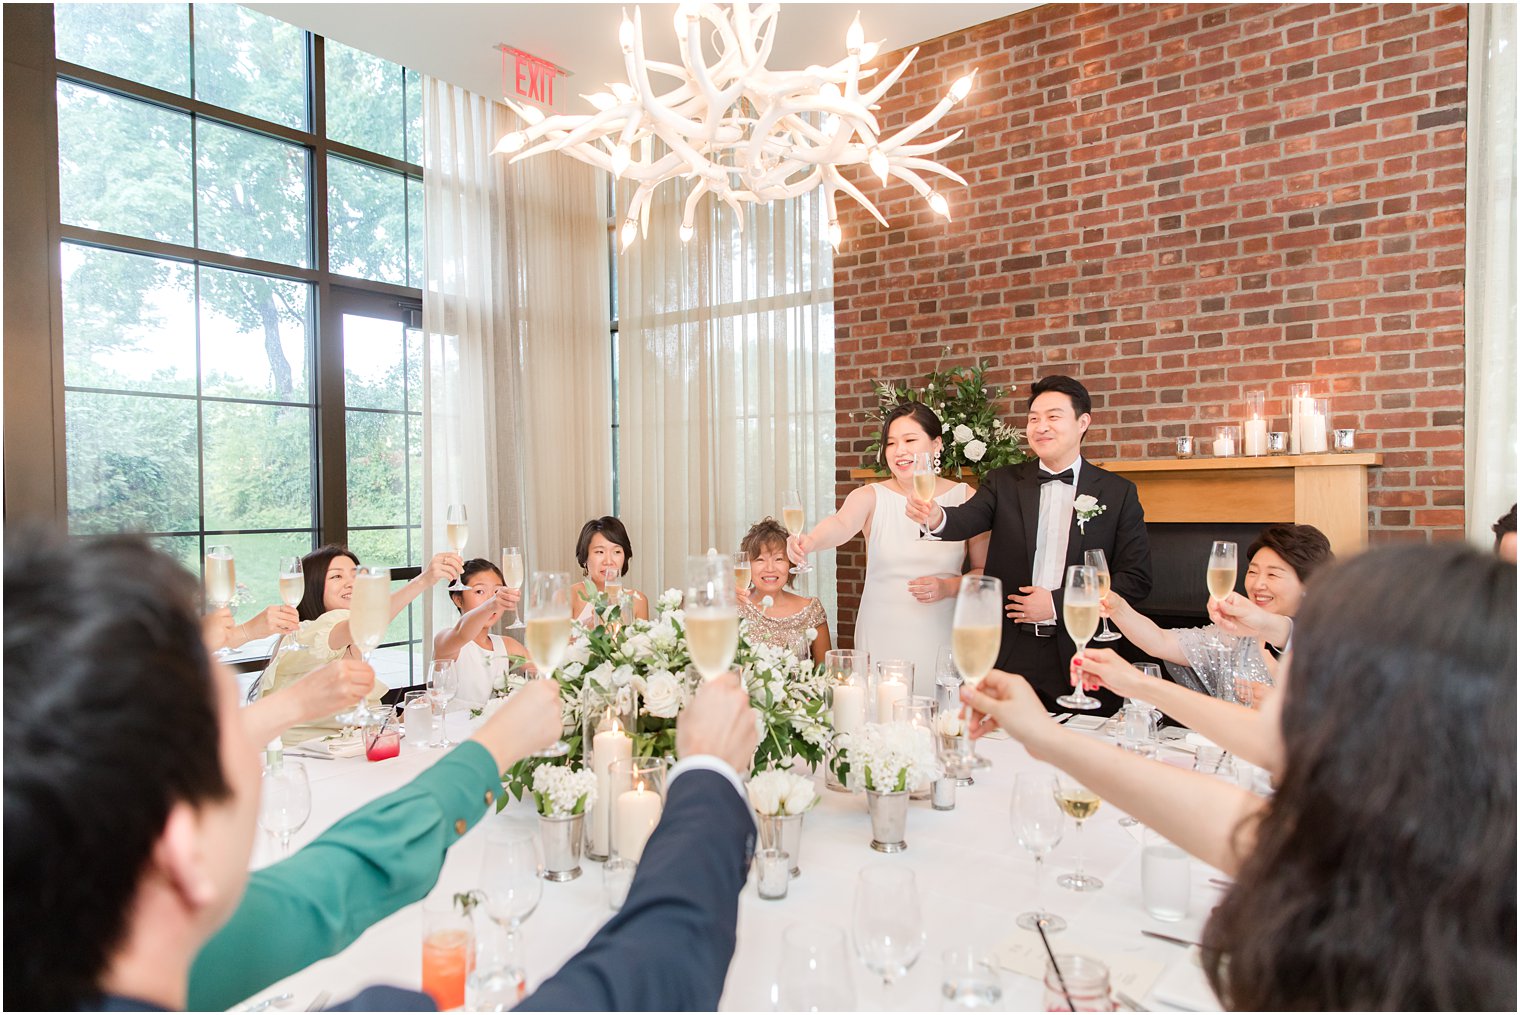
point(1241, 462)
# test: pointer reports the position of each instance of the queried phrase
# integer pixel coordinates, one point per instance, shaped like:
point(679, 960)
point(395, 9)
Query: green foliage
point(961, 398)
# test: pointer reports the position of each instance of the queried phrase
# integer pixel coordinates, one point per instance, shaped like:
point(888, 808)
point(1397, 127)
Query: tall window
point(241, 223)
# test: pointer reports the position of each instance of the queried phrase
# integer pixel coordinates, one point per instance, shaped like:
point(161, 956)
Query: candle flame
point(641, 786)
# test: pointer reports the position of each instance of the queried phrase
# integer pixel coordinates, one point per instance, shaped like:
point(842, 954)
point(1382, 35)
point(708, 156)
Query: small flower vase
point(562, 837)
point(955, 753)
point(889, 819)
point(783, 832)
point(831, 780)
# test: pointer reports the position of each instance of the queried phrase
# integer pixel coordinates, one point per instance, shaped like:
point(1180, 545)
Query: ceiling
point(456, 42)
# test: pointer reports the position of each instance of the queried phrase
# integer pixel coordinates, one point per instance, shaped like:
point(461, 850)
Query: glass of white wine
point(1222, 568)
point(977, 632)
point(457, 534)
point(548, 635)
point(369, 614)
point(512, 578)
point(712, 614)
point(1080, 803)
point(924, 482)
point(795, 520)
point(1038, 823)
point(292, 590)
point(1096, 559)
point(1080, 612)
point(221, 577)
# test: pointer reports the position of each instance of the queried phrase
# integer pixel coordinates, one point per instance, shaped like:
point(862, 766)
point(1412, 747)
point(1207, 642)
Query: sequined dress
point(784, 631)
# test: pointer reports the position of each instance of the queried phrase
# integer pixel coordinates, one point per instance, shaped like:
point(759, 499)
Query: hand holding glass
point(1096, 559)
point(512, 578)
point(795, 520)
point(457, 534)
point(712, 614)
point(369, 614)
point(924, 482)
point(548, 635)
point(1080, 612)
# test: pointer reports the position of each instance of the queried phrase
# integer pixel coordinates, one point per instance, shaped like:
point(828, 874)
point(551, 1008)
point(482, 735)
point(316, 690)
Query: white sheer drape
point(726, 382)
point(1491, 292)
point(517, 388)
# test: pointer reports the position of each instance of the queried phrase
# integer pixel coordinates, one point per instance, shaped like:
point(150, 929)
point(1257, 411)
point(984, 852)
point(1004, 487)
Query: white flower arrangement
point(950, 724)
point(963, 434)
point(560, 791)
point(779, 792)
point(1087, 508)
point(975, 451)
point(891, 758)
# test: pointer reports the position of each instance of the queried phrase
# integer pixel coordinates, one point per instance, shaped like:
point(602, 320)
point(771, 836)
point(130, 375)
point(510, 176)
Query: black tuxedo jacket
point(1008, 505)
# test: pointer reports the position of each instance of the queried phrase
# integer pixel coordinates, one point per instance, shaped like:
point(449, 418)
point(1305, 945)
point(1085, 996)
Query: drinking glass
point(417, 718)
point(1038, 824)
point(976, 635)
point(292, 590)
point(712, 613)
point(947, 681)
point(369, 615)
point(1095, 559)
point(1080, 612)
point(969, 980)
point(924, 481)
point(512, 872)
point(457, 529)
point(548, 634)
point(1165, 878)
point(221, 577)
point(815, 970)
point(284, 801)
point(442, 685)
point(512, 577)
point(889, 926)
point(1222, 566)
point(794, 518)
point(1080, 803)
point(448, 952)
point(1081, 985)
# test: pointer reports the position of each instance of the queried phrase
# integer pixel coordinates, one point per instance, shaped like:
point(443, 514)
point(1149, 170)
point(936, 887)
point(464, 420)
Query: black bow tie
point(1056, 477)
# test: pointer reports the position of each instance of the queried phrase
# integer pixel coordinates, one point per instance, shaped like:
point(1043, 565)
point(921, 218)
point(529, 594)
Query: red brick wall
point(1178, 204)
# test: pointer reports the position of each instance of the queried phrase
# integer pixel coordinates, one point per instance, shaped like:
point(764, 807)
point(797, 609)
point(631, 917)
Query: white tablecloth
point(972, 876)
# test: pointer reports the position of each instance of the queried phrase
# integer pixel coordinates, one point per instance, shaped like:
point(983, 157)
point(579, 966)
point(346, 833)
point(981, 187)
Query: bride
point(908, 604)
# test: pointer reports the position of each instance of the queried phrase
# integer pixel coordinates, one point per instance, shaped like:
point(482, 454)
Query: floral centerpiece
point(781, 797)
point(976, 437)
point(560, 791)
point(886, 760)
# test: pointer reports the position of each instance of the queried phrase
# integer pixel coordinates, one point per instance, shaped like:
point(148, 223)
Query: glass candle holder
point(891, 682)
point(1277, 442)
point(1255, 425)
point(617, 877)
point(918, 712)
point(1345, 440)
point(1184, 447)
point(1082, 985)
point(610, 718)
point(636, 790)
point(1226, 441)
point(773, 872)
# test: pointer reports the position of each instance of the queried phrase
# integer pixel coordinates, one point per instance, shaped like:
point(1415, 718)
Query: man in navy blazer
point(1035, 511)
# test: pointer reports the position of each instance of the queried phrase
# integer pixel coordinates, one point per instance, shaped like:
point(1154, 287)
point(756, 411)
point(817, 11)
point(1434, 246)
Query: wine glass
point(947, 683)
point(743, 572)
point(512, 578)
point(457, 533)
point(221, 577)
point(1096, 560)
point(548, 634)
point(977, 633)
point(924, 481)
point(1222, 567)
point(889, 926)
point(1080, 611)
point(442, 685)
point(369, 615)
point(284, 801)
point(292, 590)
point(815, 970)
point(1038, 824)
point(512, 872)
point(712, 614)
point(795, 519)
point(1080, 803)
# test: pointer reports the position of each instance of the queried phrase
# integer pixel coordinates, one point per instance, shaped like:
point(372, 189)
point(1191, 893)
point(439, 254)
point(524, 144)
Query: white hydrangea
point(777, 791)
point(975, 451)
point(891, 757)
point(962, 433)
point(670, 599)
point(560, 791)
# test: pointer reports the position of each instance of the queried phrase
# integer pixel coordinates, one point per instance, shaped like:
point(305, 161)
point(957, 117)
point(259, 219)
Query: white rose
point(975, 450)
point(662, 694)
point(963, 433)
point(765, 792)
point(601, 676)
point(800, 796)
point(1086, 502)
point(622, 676)
point(638, 646)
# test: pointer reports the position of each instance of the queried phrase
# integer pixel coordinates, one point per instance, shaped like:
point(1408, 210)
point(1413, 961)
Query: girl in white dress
point(483, 659)
point(908, 604)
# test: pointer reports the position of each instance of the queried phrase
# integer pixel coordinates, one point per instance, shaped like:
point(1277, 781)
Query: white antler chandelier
point(745, 134)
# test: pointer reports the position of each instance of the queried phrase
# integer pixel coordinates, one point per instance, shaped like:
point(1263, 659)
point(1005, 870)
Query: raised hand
point(1102, 667)
point(336, 687)
point(719, 721)
point(798, 547)
point(443, 567)
point(924, 512)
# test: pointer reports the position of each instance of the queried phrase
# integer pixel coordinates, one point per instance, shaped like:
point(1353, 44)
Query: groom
point(1041, 521)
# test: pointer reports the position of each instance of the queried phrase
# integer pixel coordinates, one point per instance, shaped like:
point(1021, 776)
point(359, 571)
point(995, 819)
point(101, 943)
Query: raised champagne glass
point(976, 634)
point(368, 617)
point(548, 635)
point(1079, 610)
point(457, 534)
point(924, 482)
point(1222, 568)
point(1096, 559)
point(292, 590)
point(512, 578)
point(712, 614)
point(795, 520)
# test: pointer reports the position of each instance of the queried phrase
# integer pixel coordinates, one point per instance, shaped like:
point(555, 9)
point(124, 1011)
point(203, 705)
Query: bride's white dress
point(891, 624)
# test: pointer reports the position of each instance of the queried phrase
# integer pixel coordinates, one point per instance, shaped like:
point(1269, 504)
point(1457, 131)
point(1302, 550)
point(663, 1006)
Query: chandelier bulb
point(854, 38)
point(962, 87)
point(687, 232)
point(939, 205)
point(630, 232)
point(836, 235)
point(512, 142)
point(879, 164)
point(625, 35)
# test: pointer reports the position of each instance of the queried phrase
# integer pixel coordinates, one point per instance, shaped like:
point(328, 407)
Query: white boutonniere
point(1087, 508)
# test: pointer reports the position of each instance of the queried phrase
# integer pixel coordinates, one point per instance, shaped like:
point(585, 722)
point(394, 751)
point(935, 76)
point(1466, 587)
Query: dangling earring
point(936, 463)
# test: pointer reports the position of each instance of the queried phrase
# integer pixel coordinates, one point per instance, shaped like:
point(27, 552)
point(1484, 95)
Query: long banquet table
point(972, 877)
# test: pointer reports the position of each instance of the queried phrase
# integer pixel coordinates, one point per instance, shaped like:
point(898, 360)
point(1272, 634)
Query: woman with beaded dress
point(773, 614)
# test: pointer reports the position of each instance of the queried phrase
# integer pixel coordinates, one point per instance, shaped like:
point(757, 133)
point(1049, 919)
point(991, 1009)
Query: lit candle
point(638, 811)
point(849, 708)
point(1256, 436)
point(1315, 426)
point(888, 693)
point(606, 747)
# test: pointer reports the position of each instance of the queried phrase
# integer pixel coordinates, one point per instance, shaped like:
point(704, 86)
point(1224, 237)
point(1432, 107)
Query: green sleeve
point(384, 856)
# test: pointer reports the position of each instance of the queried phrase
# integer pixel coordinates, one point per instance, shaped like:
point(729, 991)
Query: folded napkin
point(1183, 985)
point(338, 747)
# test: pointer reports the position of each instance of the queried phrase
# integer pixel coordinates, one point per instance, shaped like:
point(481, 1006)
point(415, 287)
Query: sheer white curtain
point(1491, 292)
point(726, 382)
point(517, 372)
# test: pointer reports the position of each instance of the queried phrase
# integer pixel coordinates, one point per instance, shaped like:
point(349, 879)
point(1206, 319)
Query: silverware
point(1221, 883)
point(1065, 717)
point(308, 754)
point(1173, 940)
point(319, 1002)
point(269, 1002)
point(1129, 1002)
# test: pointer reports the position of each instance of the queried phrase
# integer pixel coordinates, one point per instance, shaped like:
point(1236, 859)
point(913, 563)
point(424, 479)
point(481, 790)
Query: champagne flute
point(1096, 560)
point(743, 573)
point(284, 801)
point(512, 578)
point(1038, 824)
point(1080, 611)
point(712, 614)
point(221, 577)
point(1080, 803)
point(815, 970)
point(889, 926)
point(796, 522)
point(924, 481)
point(442, 685)
point(1222, 567)
point(548, 634)
point(977, 634)
point(512, 872)
point(292, 590)
point(457, 533)
point(368, 617)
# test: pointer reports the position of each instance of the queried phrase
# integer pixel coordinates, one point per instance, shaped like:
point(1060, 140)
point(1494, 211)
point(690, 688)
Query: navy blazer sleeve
point(669, 947)
point(976, 515)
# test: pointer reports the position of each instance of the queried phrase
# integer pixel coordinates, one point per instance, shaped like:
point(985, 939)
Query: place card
point(1087, 723)
point(1024, 954)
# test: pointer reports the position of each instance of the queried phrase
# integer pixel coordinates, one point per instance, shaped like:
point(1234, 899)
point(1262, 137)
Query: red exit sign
point(528, 76)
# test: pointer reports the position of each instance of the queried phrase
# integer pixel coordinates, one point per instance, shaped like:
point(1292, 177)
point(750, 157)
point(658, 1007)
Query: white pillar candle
point(606, 747)
point(1296, 429)
point(638, 811)
point(1256, 436)
point(849, 708)
point(1314, 433)
point(888, 693)
point(1224, 447)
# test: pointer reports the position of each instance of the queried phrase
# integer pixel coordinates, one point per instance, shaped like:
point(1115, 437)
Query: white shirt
point(1054, 528)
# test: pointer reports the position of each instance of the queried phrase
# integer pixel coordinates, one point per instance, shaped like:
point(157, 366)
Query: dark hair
point(314, 569)
point(1503, 527)
point(766, 534)
point(1081, 401)
point(110, 721)
point(612, 530)
point(921, 414)
point(1383, 877)
point(473, 567)
point(1303, 547)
